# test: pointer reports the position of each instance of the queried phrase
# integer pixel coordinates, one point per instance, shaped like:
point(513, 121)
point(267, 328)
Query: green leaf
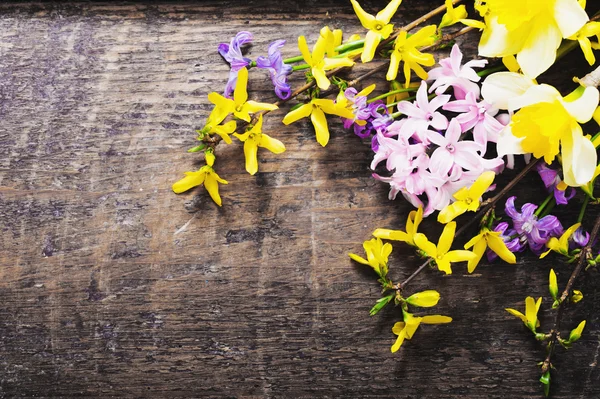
point(545, 379)
point(381, 302)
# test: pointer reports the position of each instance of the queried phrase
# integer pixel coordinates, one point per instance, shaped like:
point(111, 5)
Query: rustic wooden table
point(111, 285)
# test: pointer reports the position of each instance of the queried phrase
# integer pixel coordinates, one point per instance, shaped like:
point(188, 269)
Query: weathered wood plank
point(113, 286)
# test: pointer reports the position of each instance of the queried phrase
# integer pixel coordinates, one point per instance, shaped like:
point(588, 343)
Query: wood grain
point(113, 286)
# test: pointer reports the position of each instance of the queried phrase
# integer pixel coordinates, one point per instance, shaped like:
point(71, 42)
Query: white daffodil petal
point(500, 87)
point(539, 50)
point(569, 16)
point(497, 41)
point(579, 158)
point(583, 108)
point(534, 95)
point(508, 144)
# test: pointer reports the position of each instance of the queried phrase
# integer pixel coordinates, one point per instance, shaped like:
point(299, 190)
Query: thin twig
point(555, 332)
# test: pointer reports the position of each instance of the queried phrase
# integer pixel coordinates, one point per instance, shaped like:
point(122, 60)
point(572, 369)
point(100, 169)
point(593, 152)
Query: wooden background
point(113, 286)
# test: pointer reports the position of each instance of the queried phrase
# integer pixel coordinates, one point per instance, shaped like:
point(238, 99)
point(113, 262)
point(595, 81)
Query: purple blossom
point(233, 55)
point(580, 238)
point(368, 118)
point(451, 73)
point(277, 69)
point(510, 238)
point(478, 116)
point(422, 113)
point(526, 223)
point(552, 180)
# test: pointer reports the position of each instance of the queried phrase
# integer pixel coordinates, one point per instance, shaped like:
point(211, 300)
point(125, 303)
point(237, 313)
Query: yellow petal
point(530, 310)
point(498, 246)
point(240, 94)
point(303, 47)
point(398, 342)
point(388, 12)
point(394, 65)
point(553, 284)
point(224, 106)
point(478, 250)
point(444, 265)
point(319, 122)
point(250, 152)
point(435, 319)
point(451, 211)
point(446, 238)
point(211, 185)
point(358, 259)
point(517, 313)
point(367, 90)
point(191, 179)
point(367, 20)
point(425, 245)
point(299, 113)
point(271, 144)
point(480, 186)
point(475, 240)
point(321, 78)
point(459, 255)
point(395, 235)
point(371, 41)
point(424, 299)
point(253, 107)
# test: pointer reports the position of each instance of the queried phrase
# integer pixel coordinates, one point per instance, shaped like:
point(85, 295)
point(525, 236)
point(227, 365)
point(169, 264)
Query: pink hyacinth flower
point(478, 116)
point(452, 150)
point(451, 73)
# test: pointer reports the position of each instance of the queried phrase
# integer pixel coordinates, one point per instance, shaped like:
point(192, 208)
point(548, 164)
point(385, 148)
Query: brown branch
point(555, 333)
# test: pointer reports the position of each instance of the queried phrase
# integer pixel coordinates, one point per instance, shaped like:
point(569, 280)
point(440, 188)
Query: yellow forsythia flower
point(453, 15)
point(488, 238)
point(406, 329)
point(441, 253)
point(255, 138)
point(379, 26)
point(318, 62)
point(531, 310)
point(553, 284)
point(588, 30)
point(577, 296)
point(467, 199)
point(412, 223)
point(206, 175)
point(406, 50)
point(240, 106)
point(561, 245)
point(377, 255)
point(316, 109)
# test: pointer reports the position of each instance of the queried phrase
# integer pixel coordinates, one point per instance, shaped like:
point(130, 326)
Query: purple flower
point(552, 182)
point(368, 118)
point(510, 238)
point(580, 238)
point(233, 55)
point(277, 69)
point(526, 223)
point(451, 73)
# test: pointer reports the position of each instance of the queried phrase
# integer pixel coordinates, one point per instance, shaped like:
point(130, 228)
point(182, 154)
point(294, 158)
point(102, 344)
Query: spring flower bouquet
point(441, 132)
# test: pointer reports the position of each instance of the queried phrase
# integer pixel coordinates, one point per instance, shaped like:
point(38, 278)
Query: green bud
point(198, 148)
point(424, 299)
point(576, 333)
point(545, 379)
point(381, 302)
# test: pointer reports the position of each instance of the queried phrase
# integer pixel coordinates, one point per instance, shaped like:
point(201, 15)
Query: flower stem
point(586, 200)
point(291, 60)
point(544, 204)
point(555, 333)
point(391, 93)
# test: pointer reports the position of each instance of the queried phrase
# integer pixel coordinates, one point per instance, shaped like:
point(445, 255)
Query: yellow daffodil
point(560, 245)
point(406, 50)
point(206, 175)
point(531, 310)
point(577, 296)
point(488, 238)
point(467, 199)
point(406, 329)
point(531, 29)
point(316, 109)
point(424, 299)
point(412, 223)
point(582, 36)
point(318, 62)
point(240, 106)
point(377, 255)
point(379, 26)
point(576, 333)
point(255, 138)
point(441, 253)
